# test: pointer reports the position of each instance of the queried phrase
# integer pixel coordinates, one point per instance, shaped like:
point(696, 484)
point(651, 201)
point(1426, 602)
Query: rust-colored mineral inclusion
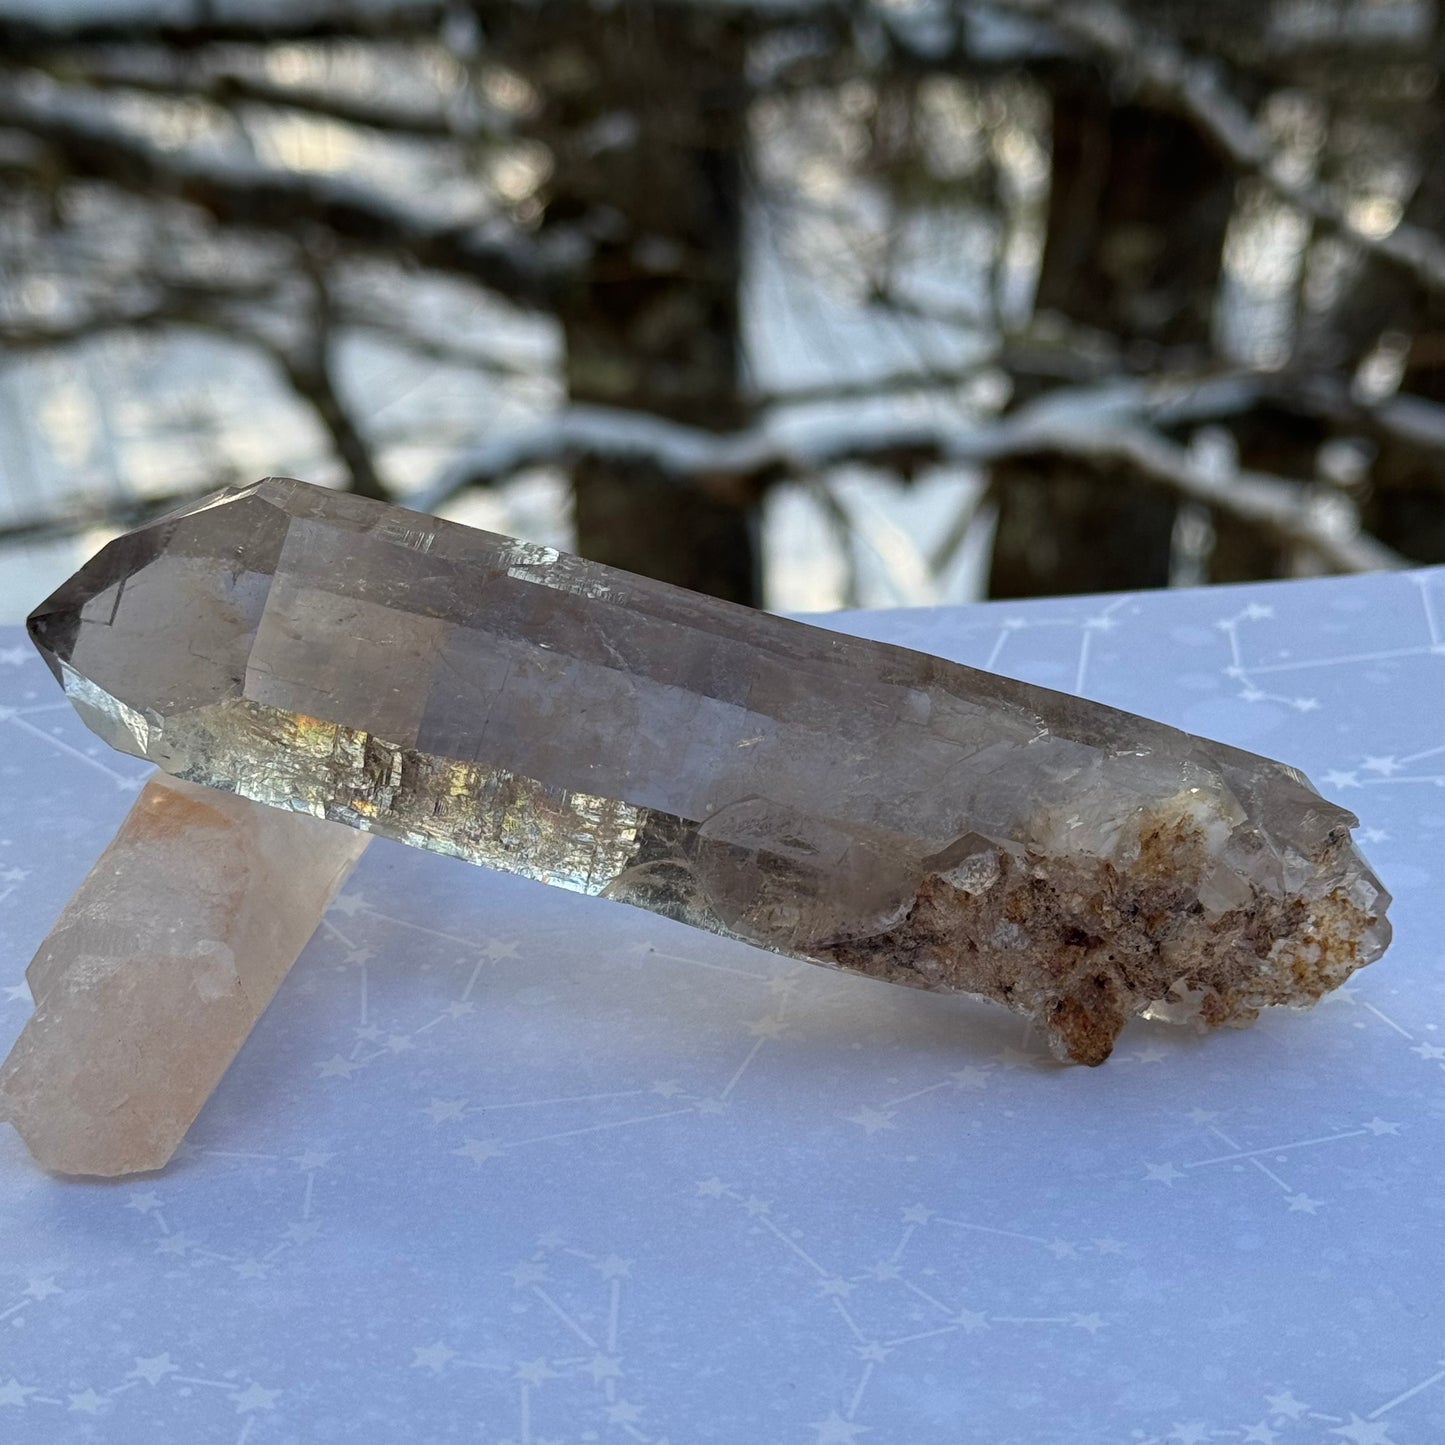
point(841, 801)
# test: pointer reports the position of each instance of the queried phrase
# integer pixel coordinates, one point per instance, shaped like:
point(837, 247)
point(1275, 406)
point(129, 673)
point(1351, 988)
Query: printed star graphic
point(174, 1244)
point(970, 1320)
point(1428, 1051)
point(712, 1188)
point(834, 1288)
point(885, 1269)
point(527, 1272)
point(440, 1111)
point(871, 1120)
point(250, 1269)
point(1203, 1117)
point(14, 1393)
point(533, 1372)
point(400, 1043)
point(753, 1206)
point(1151, 1054)
point(1260, 1434)
point(771, 1027)
point(14, 875)
point(312, 1160)
point(253, 1397)
point(432, 1357)
point(1285, 1405)
point(1383, 766)
point(153, 1369)
point(1109, 1246)
point(39, 1289)
point(1092, 1323)
point(1257, 612)
point(1188, 1434)
point(1363, 1432)
point(1062, 1249)
point(302, 1231)
point(835, 1430)
point(667, 1088)
point(497, 949)
point(1164, 1173)
point(1338, 779)
point(19, 994)
point(873, 1353)
point(711, 1106)
point(479, 1150)
point(144, 1203)
point(88, 1402)
point(623, 1413)
point(603, 1367)
point(614, 1267)
point(349, 904)
point(970, 1078)
point(1302, 1203)
point(13, 656)
point(1378, 1126)
point(337, 1067)
point(917, 1214)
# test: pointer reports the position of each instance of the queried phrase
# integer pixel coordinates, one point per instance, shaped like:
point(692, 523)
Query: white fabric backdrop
point(505, 1165)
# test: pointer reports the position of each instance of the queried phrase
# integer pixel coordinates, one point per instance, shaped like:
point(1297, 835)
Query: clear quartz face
point(843, 801)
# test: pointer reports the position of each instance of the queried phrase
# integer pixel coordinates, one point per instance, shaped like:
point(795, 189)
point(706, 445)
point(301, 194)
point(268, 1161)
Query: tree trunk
point(1135, 237)
point(643, 112)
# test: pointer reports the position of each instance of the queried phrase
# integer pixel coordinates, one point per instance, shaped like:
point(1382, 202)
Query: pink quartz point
point(154, 974)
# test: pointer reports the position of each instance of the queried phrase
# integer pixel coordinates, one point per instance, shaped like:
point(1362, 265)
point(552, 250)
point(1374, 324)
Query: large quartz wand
point(842, 801)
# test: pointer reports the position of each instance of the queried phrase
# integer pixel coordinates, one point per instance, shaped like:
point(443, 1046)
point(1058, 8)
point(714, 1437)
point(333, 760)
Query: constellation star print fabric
point(503, 1164)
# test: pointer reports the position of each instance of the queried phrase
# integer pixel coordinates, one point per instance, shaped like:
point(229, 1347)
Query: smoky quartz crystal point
point(841, 801)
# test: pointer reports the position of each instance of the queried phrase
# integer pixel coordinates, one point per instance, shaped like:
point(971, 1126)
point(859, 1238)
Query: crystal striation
point(842, 801)
point(156, 970)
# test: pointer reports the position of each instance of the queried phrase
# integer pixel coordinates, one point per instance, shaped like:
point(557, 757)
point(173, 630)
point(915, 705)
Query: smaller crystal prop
point(838, 800)
point(156, 970)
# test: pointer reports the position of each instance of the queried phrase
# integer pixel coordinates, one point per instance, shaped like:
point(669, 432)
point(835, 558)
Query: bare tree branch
point(519, 269)
point(1194, 88)
point(311, 370)
point(118, 513)
point(739, 465)
point(226, 88)
point(302, 20)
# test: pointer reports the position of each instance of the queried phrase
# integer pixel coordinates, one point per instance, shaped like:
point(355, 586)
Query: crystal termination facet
point(837, 800)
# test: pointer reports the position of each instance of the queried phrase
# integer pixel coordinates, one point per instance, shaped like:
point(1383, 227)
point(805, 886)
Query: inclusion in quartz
point(156, 970)
point(837, 800)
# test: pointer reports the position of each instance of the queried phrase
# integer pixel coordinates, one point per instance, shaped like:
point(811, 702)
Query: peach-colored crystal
point(153, 976)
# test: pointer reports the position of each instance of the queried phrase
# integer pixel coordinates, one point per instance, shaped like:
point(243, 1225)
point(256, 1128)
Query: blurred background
point(806, 303)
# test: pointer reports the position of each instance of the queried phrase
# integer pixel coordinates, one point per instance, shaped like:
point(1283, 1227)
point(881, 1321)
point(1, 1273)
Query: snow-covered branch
point(1195, 88)
point(256, 198)
point(264, 22)
point(1112, 425)
point(228, 88)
